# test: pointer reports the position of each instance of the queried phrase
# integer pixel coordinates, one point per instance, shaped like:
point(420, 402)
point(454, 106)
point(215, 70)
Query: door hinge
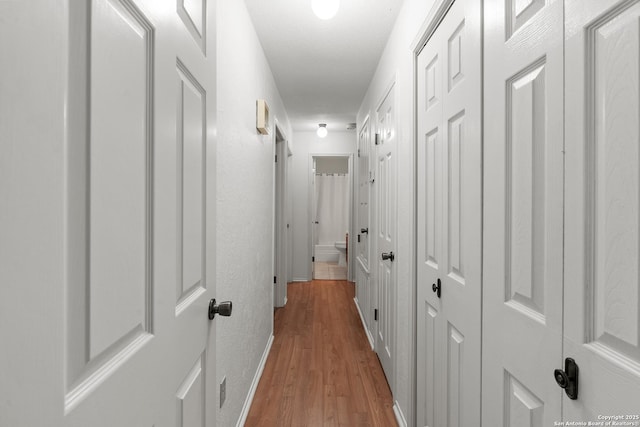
point(375, 314)
point(313, 259)
point(358, 152)
point(275, 280)
point(276, 158)
point(377, 139)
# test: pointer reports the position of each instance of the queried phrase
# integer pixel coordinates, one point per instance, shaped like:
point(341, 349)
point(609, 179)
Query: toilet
point(342, 249)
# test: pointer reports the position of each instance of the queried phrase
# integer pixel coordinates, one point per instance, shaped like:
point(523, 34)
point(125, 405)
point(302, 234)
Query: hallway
point(321, 370)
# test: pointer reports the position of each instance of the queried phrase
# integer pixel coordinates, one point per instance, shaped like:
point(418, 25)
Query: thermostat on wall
point(262, 116)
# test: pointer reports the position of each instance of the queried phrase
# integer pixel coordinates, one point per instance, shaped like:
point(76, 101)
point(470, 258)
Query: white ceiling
point(323, 68)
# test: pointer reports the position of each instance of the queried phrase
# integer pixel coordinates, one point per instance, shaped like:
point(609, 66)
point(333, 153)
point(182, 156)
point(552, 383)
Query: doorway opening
point(331, 212)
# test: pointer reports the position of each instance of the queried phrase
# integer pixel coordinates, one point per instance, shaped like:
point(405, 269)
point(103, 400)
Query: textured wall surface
point(397, 64)
point(245, 192)
point(304, 145)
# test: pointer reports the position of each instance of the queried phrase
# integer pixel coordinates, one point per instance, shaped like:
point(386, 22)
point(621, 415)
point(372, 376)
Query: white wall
point(245, 191)
point(397, 62)
point(305, 144)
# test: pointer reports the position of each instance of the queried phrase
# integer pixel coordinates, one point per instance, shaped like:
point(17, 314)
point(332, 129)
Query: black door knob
point(437, 288)
point(388, 256)
point(364, 230)
point(223, 309)
point(568, 379)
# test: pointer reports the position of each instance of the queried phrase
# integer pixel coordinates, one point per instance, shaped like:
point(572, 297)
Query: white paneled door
point(561, 212)
point(602, 209)
point(107, 193)
point(449, 220)
point(386, 184)
point(522, 256)
point(364, 299)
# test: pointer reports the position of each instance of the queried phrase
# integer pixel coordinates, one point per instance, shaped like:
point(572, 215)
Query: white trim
point(254, 385)
point(300, 279)
point(400, 419)
point(364, 325)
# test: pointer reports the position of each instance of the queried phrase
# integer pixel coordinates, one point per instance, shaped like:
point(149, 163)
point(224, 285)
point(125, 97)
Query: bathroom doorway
point(331, 216)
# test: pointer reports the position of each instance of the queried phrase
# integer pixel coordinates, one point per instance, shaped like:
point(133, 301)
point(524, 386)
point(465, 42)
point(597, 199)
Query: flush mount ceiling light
point(322, 130)
point(325, 9)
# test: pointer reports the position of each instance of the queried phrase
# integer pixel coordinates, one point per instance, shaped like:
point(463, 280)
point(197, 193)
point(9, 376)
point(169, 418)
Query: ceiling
point(323, 68)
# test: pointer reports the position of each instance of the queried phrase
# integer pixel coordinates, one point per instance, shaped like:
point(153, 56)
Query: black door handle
point(364, 230)
point(223, 309)
point(388, 256)
point(437, 288)
point(568, 379)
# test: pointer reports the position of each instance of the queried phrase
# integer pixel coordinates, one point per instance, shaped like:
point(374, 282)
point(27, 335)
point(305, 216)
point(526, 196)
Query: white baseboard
point(254, 385)
point(300, 279)
point(402, 422)
point(364, 325)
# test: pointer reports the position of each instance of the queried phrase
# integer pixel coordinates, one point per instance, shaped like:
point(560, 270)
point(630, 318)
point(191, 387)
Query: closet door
point(523, 212)
point(449, 220)
point(107, 223)
point(386, 176)
point(602, 236)
point(429, 189)
point(363, 289)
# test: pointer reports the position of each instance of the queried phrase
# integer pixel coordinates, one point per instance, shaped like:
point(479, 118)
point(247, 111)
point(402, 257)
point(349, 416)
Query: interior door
point(314, 217)
point(429, 354)
point(602, 272)
point(363, 289)
point(386, 232)
point(449, 220)
point(112, 259)
point(523, 212)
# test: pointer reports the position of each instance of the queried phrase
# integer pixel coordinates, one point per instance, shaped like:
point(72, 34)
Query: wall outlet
point(223, 391)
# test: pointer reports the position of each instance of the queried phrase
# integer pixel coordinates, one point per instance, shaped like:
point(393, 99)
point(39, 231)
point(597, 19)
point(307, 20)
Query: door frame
point(281, 225)
point(429, 26)
point(311, 213)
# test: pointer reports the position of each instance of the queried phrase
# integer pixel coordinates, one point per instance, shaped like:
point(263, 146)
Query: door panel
point(385, 232)
point(364, 147)
point(449, 223)
point(191, 132)
point(429, 330)
point(602, 227)
point(363, 288)
point(131, 234)
point(118, 176)
point(522, 252)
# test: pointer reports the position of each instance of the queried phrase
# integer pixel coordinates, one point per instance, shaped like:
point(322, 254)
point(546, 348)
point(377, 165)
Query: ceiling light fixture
point(325, 9)
point(322, 130)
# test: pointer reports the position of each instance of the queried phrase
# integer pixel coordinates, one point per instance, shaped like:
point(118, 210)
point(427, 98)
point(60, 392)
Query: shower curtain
point(332, 207)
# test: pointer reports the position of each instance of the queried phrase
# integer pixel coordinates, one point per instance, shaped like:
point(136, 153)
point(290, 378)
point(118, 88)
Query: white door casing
point(385, 203)
point(449, 220)
point(523, 212)
point(280, 233)
point(602, 228)
point(121, 249)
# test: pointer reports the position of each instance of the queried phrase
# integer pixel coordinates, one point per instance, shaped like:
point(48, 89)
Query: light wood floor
point(321, 370)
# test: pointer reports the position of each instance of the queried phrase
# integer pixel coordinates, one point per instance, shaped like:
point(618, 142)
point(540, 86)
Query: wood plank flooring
point(321, 370)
